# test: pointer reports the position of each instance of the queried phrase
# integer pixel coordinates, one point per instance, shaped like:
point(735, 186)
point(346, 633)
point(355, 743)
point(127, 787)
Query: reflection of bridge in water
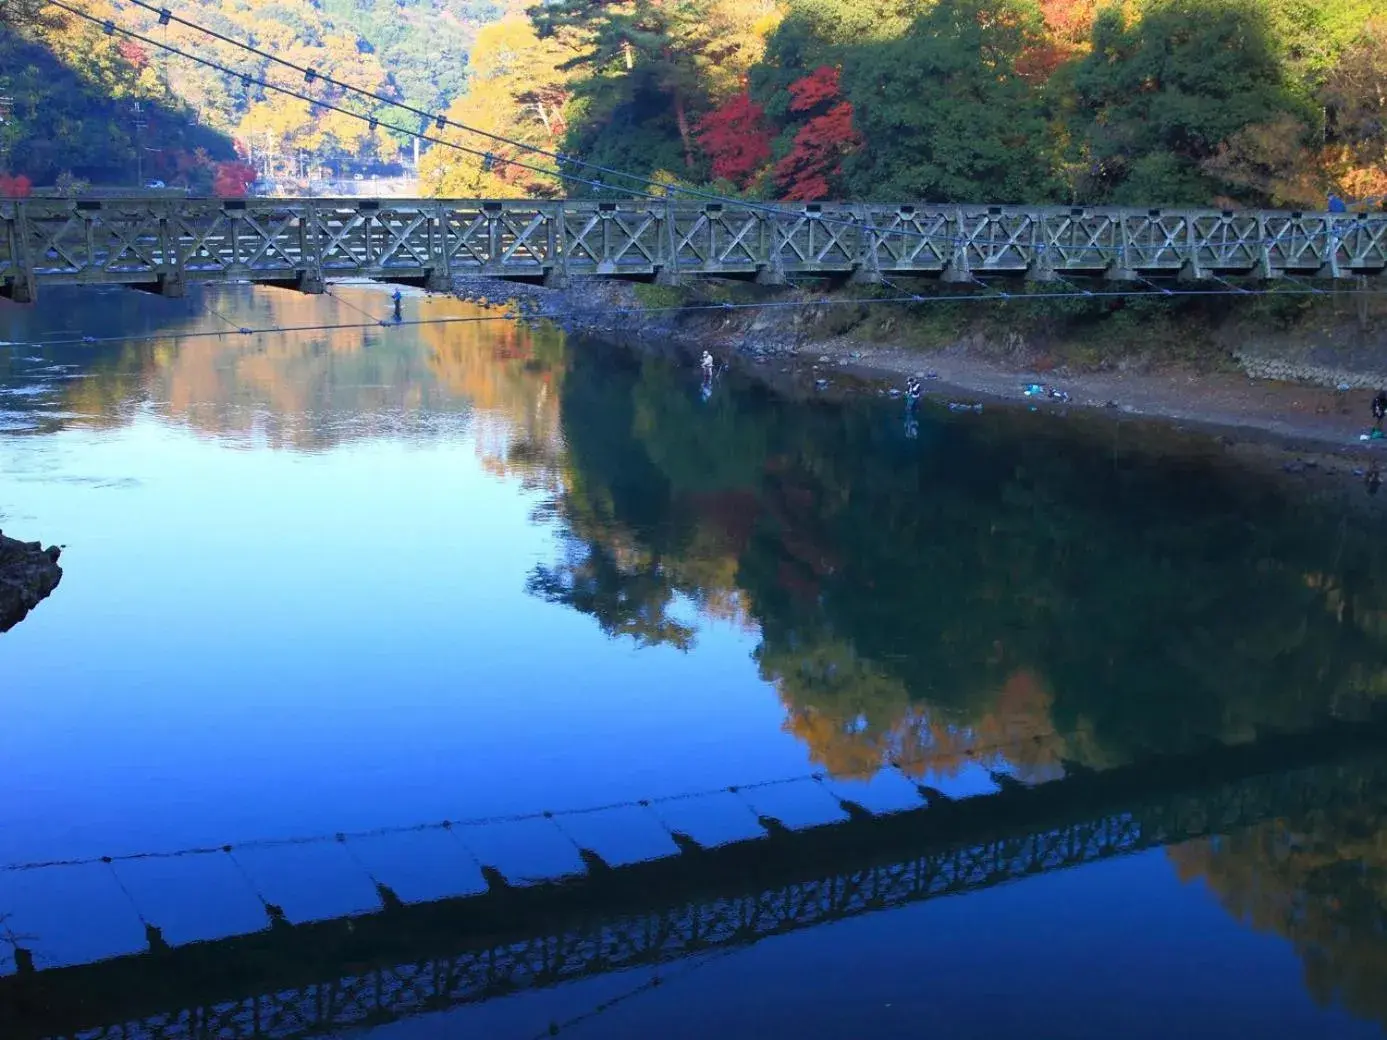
point(406, 959)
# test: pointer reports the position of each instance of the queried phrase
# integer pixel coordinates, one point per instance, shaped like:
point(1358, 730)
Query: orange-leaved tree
point(232, 180)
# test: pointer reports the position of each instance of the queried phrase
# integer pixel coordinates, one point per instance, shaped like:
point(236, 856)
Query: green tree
point(1159, 93)
point(945, 113)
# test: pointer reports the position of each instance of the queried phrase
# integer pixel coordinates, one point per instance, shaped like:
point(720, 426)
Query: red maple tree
point(232, 180)
point(133, 53)
point(736, 138)
point(16, 187)
point(806, 173)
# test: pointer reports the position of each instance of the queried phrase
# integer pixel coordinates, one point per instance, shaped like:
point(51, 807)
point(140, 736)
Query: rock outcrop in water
point(28, 573)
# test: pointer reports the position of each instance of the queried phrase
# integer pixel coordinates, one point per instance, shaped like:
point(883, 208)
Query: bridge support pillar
point(20, 289)
point(1118, 271)
point(957, 272)
point(556, 278)
point(771, 274)
point(170, 285)
point(436, 280)
point(1041, 268)
point(667, 275)
point(310, 282)
point(866, 270)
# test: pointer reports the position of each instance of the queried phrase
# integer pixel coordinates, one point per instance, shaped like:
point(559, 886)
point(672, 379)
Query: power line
point(109, 27)
point(559, 316)
point(311, 75)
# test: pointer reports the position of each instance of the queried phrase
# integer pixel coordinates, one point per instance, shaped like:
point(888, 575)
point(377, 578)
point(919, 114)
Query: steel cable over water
point(616, 312)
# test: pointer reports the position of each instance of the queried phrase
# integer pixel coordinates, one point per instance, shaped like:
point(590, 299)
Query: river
point(1117, 699)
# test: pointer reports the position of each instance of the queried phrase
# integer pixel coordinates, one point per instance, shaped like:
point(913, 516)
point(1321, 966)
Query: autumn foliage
point(232, 180)
point(737, 139)
point(816, 157)
point(16, 187)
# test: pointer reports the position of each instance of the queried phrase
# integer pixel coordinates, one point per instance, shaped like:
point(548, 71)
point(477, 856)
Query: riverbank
point(827, 345)
point(28, 575)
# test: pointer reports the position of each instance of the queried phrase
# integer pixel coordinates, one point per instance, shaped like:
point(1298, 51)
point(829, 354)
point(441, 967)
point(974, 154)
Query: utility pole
point(6, 129)
point(139, 124)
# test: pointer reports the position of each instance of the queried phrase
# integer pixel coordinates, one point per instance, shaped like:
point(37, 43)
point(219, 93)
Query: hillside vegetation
point(74, 88)
point(1161, 102)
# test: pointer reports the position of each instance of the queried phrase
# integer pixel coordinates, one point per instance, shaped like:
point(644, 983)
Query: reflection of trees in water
point(1320, 882)
point(822, 687)
point(511, 373)
point(311, 391)
point(1020, 589)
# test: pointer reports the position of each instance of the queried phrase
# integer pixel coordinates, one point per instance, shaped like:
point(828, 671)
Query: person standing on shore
point(1379, 409)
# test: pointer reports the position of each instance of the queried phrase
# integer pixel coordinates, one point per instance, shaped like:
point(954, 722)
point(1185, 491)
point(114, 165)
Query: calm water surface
point(1110, 693)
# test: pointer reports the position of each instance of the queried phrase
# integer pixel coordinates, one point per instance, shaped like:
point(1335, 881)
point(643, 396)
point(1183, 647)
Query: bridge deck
point(300, 980)
point(166, 242)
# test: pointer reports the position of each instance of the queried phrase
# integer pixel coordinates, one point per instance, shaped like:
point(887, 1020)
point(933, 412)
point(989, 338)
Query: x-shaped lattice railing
point(204, 246)
point(812, 239)
point(908, 239)
point(134, 236)
point(460, 236)
point(1154, 241)
point(527, 243)
point(1230, 243)
point(270, 239)
point(1081, 242)
point(402, 228)
point(998, 240)
point(1298, 243)
point(45, 241)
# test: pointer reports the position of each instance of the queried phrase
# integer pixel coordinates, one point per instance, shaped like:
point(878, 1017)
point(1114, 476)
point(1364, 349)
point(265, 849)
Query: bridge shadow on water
point(404, 958)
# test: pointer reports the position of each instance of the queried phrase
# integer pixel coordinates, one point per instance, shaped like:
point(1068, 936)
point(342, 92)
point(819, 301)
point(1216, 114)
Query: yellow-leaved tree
point(517, 90)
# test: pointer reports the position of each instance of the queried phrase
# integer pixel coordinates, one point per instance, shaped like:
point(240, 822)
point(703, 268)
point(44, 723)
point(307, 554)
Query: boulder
point(28, 573)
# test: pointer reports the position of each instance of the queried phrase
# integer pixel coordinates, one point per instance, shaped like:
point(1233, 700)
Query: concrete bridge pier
point(20, 288)
point(310, 282)
point(1042, 267)
point(170, 285)
point(771, 274)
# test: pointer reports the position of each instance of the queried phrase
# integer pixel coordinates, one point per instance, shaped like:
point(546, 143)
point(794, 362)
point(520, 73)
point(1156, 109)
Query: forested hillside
point(74, 87)
point(1276, 102)
point(1279, 102)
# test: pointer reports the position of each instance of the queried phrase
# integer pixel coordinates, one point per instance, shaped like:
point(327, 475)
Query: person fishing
point(1379, 409)
point(707, 365)
point(912, 392)
point(1373, 480)
point(397, 297)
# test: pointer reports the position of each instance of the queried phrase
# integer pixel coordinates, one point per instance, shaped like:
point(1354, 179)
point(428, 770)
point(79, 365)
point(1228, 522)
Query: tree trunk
point(681, 117)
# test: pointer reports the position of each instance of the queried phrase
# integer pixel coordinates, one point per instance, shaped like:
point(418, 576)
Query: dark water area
point(466, 680)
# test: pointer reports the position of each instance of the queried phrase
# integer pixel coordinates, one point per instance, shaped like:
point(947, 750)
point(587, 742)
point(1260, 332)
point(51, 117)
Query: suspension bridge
point(319, 976)
point(162, 244)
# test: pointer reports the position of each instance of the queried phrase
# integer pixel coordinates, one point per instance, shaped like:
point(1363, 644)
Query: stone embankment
point(28, 574)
